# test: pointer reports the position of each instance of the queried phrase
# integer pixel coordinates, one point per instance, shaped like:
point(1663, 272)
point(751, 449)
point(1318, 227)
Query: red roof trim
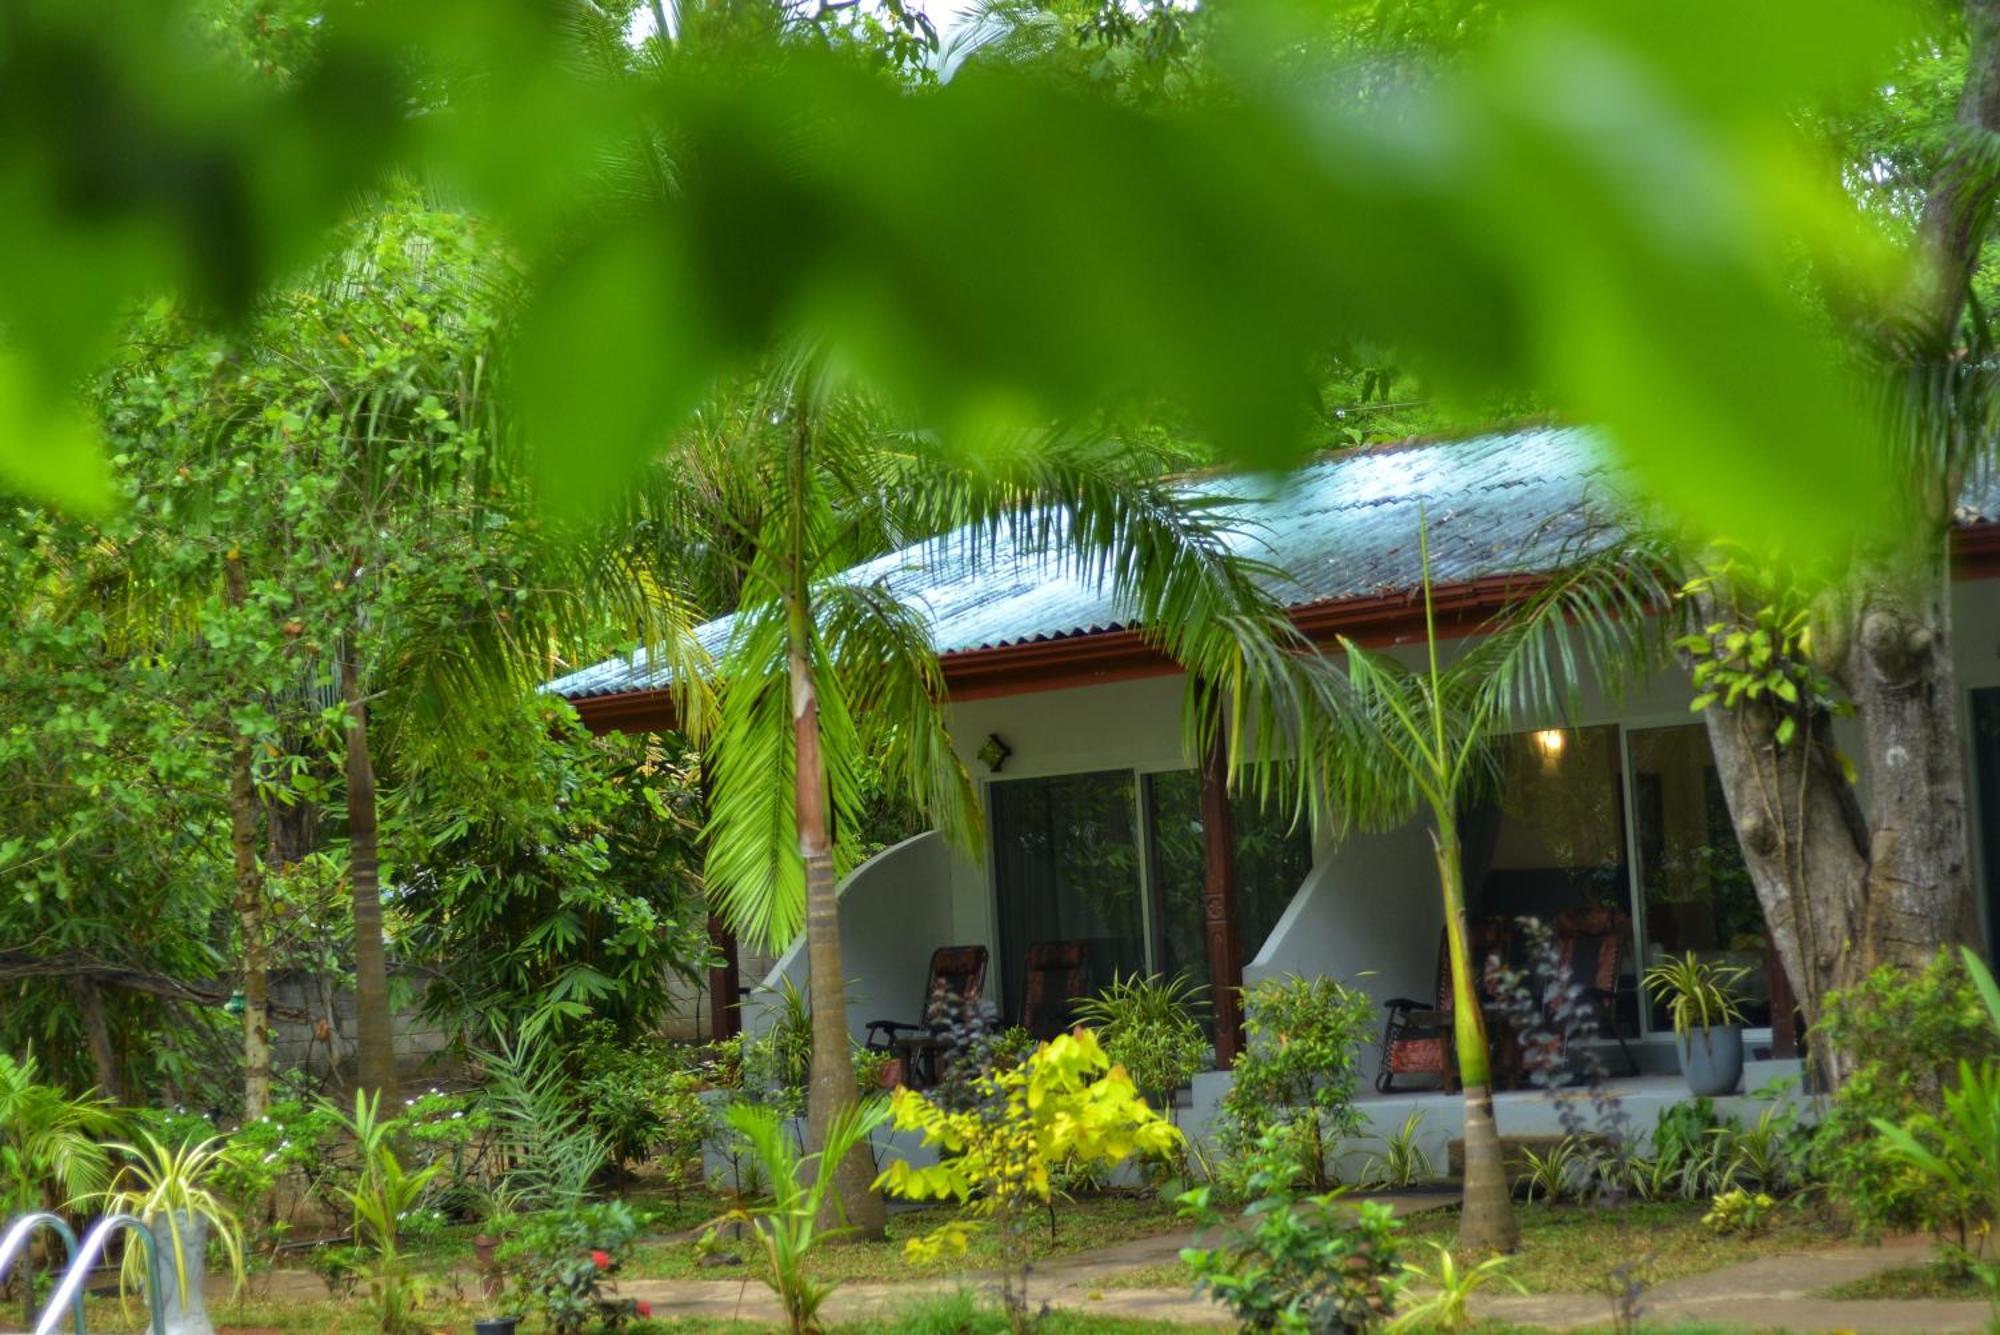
point(1096, 657)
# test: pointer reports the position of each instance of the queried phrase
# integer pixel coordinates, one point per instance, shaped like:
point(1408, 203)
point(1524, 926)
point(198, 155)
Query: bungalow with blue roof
point(1102, 831)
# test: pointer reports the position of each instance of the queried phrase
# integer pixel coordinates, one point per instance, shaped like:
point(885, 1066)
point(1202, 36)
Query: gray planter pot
point(1712, 1060)
point(184, 1314)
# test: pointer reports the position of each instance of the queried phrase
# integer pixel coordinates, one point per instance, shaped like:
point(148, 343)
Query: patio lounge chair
point(957, 977)
point(1417, 1039)
point(1592, 944)
point(1055, 979)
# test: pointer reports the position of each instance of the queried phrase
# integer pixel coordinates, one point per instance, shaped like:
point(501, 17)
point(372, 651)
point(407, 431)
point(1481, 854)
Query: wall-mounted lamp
point(1550, 742)
point(994, 753)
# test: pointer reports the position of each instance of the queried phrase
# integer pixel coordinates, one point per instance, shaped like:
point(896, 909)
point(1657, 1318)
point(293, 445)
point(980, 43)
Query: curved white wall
point(1368, 914)
point(895, 909)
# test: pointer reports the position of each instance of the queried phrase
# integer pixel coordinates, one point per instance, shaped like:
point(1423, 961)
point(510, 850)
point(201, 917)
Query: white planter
point(182, 1313)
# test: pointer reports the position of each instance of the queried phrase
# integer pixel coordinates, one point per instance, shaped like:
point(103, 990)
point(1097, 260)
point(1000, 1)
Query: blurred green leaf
point(47, 449)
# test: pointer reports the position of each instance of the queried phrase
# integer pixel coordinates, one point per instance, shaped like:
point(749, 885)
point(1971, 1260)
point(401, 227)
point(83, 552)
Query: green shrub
point(1149, 1026)
point(777, 1064)
point(565, 1263)
point(642, 1099)
point(1905, 1036)
point(1296, 1080)
point(1308, 1264)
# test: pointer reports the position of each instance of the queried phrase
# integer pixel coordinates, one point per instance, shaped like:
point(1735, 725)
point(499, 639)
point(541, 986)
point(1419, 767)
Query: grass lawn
point(1081, 1225)
point(1573, 1249)
point(1932, 1279)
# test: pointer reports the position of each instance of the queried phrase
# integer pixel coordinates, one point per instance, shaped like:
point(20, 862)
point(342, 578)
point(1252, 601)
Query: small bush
point(1150, 1026)
point(642, 1098)
point(565, 1265)
point(1297, 1079)
point(1308, 1263)
point(1906, 1036)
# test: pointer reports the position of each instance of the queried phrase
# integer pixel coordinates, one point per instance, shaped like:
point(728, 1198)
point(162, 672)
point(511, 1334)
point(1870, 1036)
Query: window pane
point(1552, 840)
point(1698, 894)
point(1066, 866)
point(1272, 860)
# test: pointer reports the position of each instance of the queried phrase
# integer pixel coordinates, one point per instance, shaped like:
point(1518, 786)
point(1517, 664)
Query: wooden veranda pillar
point(725, 987)
point(1218, 907)
point(725, 981)
point(1784, 1023)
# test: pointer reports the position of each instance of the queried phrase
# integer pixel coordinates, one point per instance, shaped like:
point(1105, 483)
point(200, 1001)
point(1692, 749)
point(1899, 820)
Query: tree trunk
point(97, 1033)
point(250, 900)
point(832, 1090)
point(853, 1201)
point(375, 1038)
point(250, 925)
point(1846, 888)
point(1486, 1218)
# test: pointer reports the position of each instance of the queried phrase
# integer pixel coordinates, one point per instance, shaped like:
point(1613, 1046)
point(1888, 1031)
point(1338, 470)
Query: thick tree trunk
point(249, 901)
point(375, 1038)
point(1486, 1217)
point(1905, 690)
point(1846, 888)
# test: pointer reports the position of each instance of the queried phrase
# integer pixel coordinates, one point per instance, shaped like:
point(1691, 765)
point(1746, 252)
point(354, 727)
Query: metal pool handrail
point(16, 1242)
point(84, 1259)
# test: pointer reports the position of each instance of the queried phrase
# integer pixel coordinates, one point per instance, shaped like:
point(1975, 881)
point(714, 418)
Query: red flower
point(602, 1260)
point(643, 1308)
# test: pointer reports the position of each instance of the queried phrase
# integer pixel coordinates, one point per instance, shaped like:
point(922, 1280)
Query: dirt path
point(1770, 1293)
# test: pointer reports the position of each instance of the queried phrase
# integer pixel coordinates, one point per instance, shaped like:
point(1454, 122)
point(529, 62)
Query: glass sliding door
point(1272, 860)
point(1552, 839)
point(1066, 868)
point(1694, 889)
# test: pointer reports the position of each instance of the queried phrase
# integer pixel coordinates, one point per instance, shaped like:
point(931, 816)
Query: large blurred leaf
point(1590, 216)
point(1606, 204)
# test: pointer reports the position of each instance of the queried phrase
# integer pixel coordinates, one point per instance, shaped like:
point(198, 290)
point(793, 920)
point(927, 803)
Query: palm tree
point(1382, 742)
point(820, 672)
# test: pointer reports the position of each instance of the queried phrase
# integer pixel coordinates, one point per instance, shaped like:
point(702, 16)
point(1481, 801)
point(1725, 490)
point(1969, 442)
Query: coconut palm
point(821, 672)
point(1381, 742)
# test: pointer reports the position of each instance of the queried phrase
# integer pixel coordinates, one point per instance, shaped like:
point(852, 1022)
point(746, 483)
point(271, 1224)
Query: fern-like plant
point(1149, 1025)
point(552, 1153)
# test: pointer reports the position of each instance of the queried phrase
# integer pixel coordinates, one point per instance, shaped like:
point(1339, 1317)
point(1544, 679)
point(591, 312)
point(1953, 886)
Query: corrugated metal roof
point(1346, 527)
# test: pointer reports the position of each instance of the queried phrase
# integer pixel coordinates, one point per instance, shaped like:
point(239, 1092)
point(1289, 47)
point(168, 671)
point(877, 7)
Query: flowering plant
point(565, 1265)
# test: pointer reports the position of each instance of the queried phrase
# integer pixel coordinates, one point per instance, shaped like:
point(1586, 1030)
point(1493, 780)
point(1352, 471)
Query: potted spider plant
point(168, 1191)
point(1701, 997)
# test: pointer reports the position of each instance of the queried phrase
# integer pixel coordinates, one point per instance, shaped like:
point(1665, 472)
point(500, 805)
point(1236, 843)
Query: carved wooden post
point(725, 991)
point(1218, 908)
point(1784, 1025)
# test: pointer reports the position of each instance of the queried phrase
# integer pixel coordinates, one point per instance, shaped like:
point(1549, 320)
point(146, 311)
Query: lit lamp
point(994, 754)
point(1550, 742)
